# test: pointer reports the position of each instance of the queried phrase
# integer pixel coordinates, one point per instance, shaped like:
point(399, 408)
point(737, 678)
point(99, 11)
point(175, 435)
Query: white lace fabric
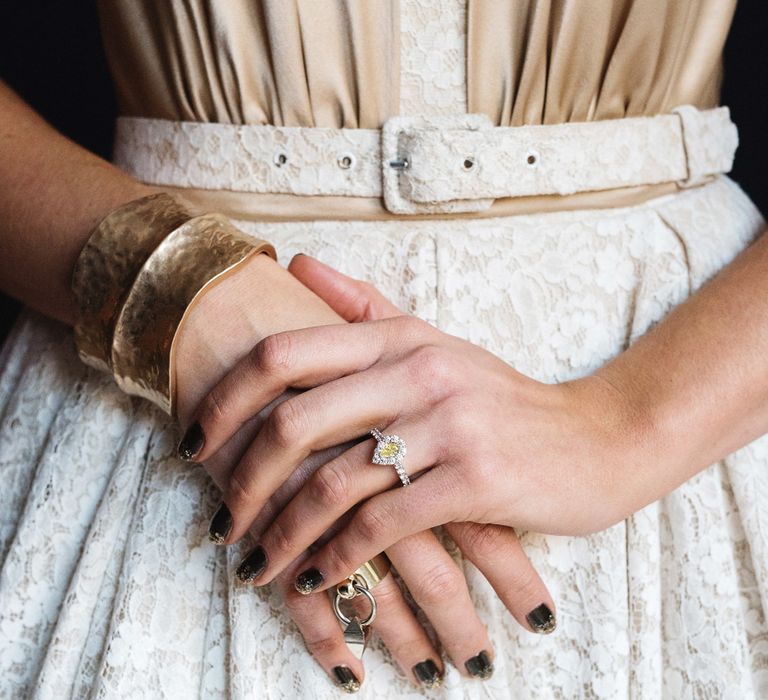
point(109, 587)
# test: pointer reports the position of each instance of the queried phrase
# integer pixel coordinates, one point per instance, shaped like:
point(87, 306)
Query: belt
point(431, 165)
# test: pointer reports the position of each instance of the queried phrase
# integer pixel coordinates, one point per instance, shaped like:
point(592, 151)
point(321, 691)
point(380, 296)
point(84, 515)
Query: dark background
point(51, 53)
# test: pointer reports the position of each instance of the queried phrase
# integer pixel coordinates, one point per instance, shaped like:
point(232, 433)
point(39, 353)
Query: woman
point(553, 282)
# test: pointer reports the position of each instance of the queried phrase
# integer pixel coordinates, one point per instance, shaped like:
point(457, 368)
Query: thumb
point(354, 300)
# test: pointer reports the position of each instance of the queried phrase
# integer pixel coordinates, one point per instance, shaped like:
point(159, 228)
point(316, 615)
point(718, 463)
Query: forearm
point(697, 383)
point(52, 195)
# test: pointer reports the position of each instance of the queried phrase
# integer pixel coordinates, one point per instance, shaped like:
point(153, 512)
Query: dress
point(109, 587)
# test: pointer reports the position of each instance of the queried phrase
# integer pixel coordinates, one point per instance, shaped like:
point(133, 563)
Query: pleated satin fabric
point(335, 63)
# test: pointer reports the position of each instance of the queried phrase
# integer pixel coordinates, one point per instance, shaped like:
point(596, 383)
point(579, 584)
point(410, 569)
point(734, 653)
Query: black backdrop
point(50, 52)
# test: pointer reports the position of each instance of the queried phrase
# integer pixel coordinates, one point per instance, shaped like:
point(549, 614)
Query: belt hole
point(532, 158)
point(469, 163)
point(280, 159)
point(346, 161)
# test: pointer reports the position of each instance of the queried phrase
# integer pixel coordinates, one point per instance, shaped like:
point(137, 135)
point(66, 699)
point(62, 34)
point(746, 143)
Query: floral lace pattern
point(109, 588)
point(433, 57)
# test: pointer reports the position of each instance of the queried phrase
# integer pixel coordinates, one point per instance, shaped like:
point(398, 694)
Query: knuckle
point(388, 596)
point(280, 542)
point(338, 561)
point(214, 408)
point(286, 423)
point(433, 368)
point(239, 491)
point(298, 606)
point(441, 583)
point(373, 523)
point(484, 473)
point(524, 581)
point(322, 646)
point(329, 487)
point(483, 540)
point(408, 326)
point(273, 354)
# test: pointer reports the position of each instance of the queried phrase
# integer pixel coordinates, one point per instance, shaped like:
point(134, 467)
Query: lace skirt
point(110, 588)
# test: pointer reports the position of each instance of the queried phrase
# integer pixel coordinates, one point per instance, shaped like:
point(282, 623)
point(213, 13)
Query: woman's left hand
point(485, 443)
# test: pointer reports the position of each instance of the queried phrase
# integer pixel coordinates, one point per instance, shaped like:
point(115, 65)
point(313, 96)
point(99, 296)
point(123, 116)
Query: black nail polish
point(346, 680)
point(428, 674)
point(221, 524)
point(308, 580)
point(252, 565)
point(480, 666)
point(542, 619)
point(192, 442)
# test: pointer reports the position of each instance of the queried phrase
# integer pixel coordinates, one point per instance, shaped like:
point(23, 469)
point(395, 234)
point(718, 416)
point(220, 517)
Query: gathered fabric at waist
point(427, 167)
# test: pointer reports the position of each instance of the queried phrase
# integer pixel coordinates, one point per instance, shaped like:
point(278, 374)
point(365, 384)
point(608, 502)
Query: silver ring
point(390, 449)
point(346, 620)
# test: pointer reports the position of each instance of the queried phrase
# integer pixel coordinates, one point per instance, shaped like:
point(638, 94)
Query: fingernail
point(307, 581)
point(221, 524)
point(192, 442)
point(252, 565)
point(346, 680)
point(428, 674)
point(480, 666)
point(542, 619)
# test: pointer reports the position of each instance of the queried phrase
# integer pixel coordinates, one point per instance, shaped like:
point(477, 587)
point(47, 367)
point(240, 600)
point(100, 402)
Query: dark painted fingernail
point(252, 565)
point(428, 674)
point(346, 680)
point(221, 524)
point(542, 619)
point(308, 580)
point(480, 666)
point(192, 442)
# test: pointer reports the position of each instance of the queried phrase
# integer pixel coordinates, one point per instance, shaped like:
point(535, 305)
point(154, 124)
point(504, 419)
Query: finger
point(431, 500)
point(404, 636)
point(331, 414)
point(354, 300)
point(301, 358)
point(323, 636)
point(333, 490)
point(439, 588)
point(496, 551)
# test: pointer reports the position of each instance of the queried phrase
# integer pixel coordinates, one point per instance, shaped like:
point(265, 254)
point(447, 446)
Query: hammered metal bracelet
point(189, 261)
point(109, 263)
point(139, 274)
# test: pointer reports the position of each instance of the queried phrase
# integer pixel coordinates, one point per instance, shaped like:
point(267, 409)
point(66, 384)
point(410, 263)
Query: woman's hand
point(217, 334)
point(488, 444)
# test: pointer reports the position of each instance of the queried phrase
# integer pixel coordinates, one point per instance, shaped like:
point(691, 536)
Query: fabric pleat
point(337, 64)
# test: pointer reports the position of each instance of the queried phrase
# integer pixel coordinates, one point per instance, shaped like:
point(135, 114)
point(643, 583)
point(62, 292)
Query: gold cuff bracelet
point(138, 275)
point(109, 263)
point(187, 262)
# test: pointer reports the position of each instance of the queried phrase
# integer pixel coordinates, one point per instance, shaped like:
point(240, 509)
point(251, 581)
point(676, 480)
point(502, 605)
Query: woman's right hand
point(261, 299)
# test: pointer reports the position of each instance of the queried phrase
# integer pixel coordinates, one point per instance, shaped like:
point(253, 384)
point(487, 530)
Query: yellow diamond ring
point(390, 449)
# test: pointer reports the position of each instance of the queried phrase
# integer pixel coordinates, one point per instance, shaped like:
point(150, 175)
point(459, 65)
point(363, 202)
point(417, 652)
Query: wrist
point(624, 440)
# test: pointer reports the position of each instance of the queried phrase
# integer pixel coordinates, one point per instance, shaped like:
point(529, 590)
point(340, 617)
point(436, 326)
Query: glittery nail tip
point(191, 443)
point(542, 620)
point(252, 566)
point(308, 580)
point(480, 666)
point(346, 680)
point(428, 674)
point(221, 524)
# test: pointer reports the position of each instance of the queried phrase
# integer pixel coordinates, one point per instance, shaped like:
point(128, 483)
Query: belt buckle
point(431, 165)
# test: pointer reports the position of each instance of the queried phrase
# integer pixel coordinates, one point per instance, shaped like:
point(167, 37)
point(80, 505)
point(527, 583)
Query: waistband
point(418, 166)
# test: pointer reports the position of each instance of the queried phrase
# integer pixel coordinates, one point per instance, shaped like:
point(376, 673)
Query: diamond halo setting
point(390, 450)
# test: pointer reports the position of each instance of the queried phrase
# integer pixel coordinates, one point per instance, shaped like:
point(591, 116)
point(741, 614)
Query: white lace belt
point(451, 163)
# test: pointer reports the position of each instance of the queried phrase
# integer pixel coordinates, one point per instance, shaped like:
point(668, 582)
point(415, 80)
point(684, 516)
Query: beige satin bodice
point(335, 63)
